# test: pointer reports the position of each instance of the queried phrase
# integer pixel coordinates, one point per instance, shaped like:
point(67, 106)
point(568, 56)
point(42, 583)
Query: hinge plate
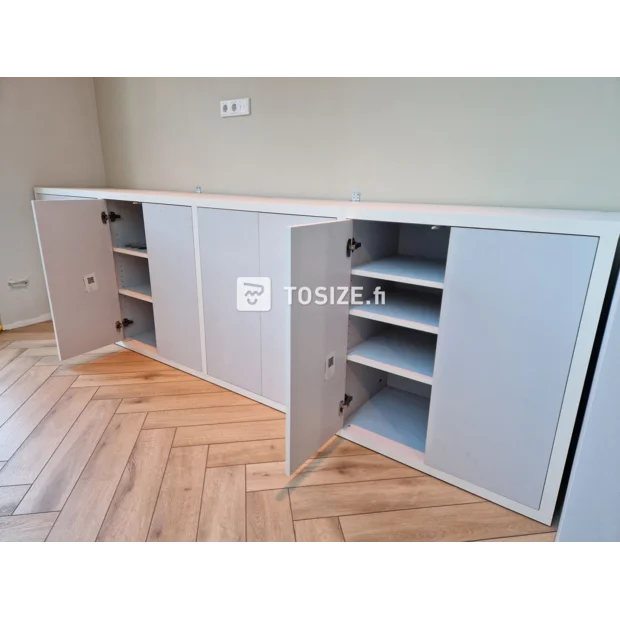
point(352, 245)
point(112, 217)
point(345, 403)
point(123, 323)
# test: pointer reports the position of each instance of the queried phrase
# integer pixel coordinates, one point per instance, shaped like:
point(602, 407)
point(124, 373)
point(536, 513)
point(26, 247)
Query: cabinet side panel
point(229, 250)
point(76, 250)
point(273, 235)
point(172, 266)
point(510, 315)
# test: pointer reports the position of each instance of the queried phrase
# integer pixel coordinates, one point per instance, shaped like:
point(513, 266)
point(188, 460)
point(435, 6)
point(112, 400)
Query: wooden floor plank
point(13, 371)
point(30, 343)
point(178, 506)
point(120, 357)
point(446, 523)
point(140, 390)
point(40, 352)
point(222, 517)
point(219, 398)
point(17, 428)
point(53, 486)
point(43, 326)
point(262, 476)
point(10, 497)
point(26, 528)
point(8, 355)
point(99, 368)
point(318, 530)
point(376, 496)
point(30, 459)
point(341, 447)
point(2, 464)
point(269, 517)
point(227, 433)
point(548, 537)
point(3, 344)
point(129, 378)
point(22, 390)
point(83, 514)
point(245, 452)
point(131, 510)
point(211, 415)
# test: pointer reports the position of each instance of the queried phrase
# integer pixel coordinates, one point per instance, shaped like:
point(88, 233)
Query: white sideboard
point(472, 371)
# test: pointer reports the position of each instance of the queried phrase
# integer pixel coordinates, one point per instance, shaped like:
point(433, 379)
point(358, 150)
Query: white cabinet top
point(597, 223)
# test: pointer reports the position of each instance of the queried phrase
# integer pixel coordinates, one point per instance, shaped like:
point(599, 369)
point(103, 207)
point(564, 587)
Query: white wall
point(48, 136)
point(513, 142)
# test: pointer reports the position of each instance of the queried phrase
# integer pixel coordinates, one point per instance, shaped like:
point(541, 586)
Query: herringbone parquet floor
point(115, 446)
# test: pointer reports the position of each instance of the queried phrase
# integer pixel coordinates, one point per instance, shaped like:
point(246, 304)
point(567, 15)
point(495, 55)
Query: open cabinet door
point(78, 263)
point(318, 337)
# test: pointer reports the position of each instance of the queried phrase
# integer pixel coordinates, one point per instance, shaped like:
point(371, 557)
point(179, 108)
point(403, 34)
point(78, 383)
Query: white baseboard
point(26, 322)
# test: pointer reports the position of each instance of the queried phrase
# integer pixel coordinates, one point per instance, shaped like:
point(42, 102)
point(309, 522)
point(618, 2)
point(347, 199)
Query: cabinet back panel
point(418, 240)
point(510, 314)
point(131, 271)
point(140, 312)
point(130, 227)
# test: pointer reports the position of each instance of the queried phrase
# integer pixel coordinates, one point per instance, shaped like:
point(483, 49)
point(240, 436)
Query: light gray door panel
point(274, 242)
point(76, 249)
point(510, 314)
point(229, 250)
point(172, 265)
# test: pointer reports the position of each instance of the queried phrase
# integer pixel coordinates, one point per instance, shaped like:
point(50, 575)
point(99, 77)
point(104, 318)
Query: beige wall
point(513, 142)
point(48, 135)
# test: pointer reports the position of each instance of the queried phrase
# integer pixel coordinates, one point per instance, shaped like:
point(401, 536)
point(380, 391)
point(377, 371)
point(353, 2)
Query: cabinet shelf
point(131, 252)
point(400, 352)
point(393, 422)
point(138, 291)
point(405, 269)
point(413, 310)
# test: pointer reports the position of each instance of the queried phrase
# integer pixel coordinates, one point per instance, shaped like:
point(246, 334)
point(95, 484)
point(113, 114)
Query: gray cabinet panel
point(172, 266)
point(229, 250)
point(274, 256)
point(509, 320)
point(76, 247)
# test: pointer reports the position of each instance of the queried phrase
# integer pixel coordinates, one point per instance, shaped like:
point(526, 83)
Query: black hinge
point(123, 323)
point(345, 403)
point(112, 217)
point(352, 245)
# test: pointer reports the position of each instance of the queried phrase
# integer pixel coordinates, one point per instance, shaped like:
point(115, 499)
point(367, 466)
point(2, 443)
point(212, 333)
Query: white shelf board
point(392, 422)
point(145, 338)
point(132, 252)
point(401, 352)
point(405, 269)
point(138, 291)
point(411, 309)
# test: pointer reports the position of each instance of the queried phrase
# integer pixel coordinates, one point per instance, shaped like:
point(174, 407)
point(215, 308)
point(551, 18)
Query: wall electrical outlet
point(235, 107)
point(356, 196)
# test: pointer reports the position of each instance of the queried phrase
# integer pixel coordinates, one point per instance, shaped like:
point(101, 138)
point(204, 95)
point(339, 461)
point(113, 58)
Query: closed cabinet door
point(172, 265)
point(274, 237)
point(510, 315)
point(228, 251)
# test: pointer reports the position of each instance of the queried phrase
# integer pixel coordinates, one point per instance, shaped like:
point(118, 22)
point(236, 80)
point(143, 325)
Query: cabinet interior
point(392, 340)
point(132, 271)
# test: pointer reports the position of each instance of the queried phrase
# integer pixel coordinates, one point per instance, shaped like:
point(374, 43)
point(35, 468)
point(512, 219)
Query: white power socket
point(235, 107)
